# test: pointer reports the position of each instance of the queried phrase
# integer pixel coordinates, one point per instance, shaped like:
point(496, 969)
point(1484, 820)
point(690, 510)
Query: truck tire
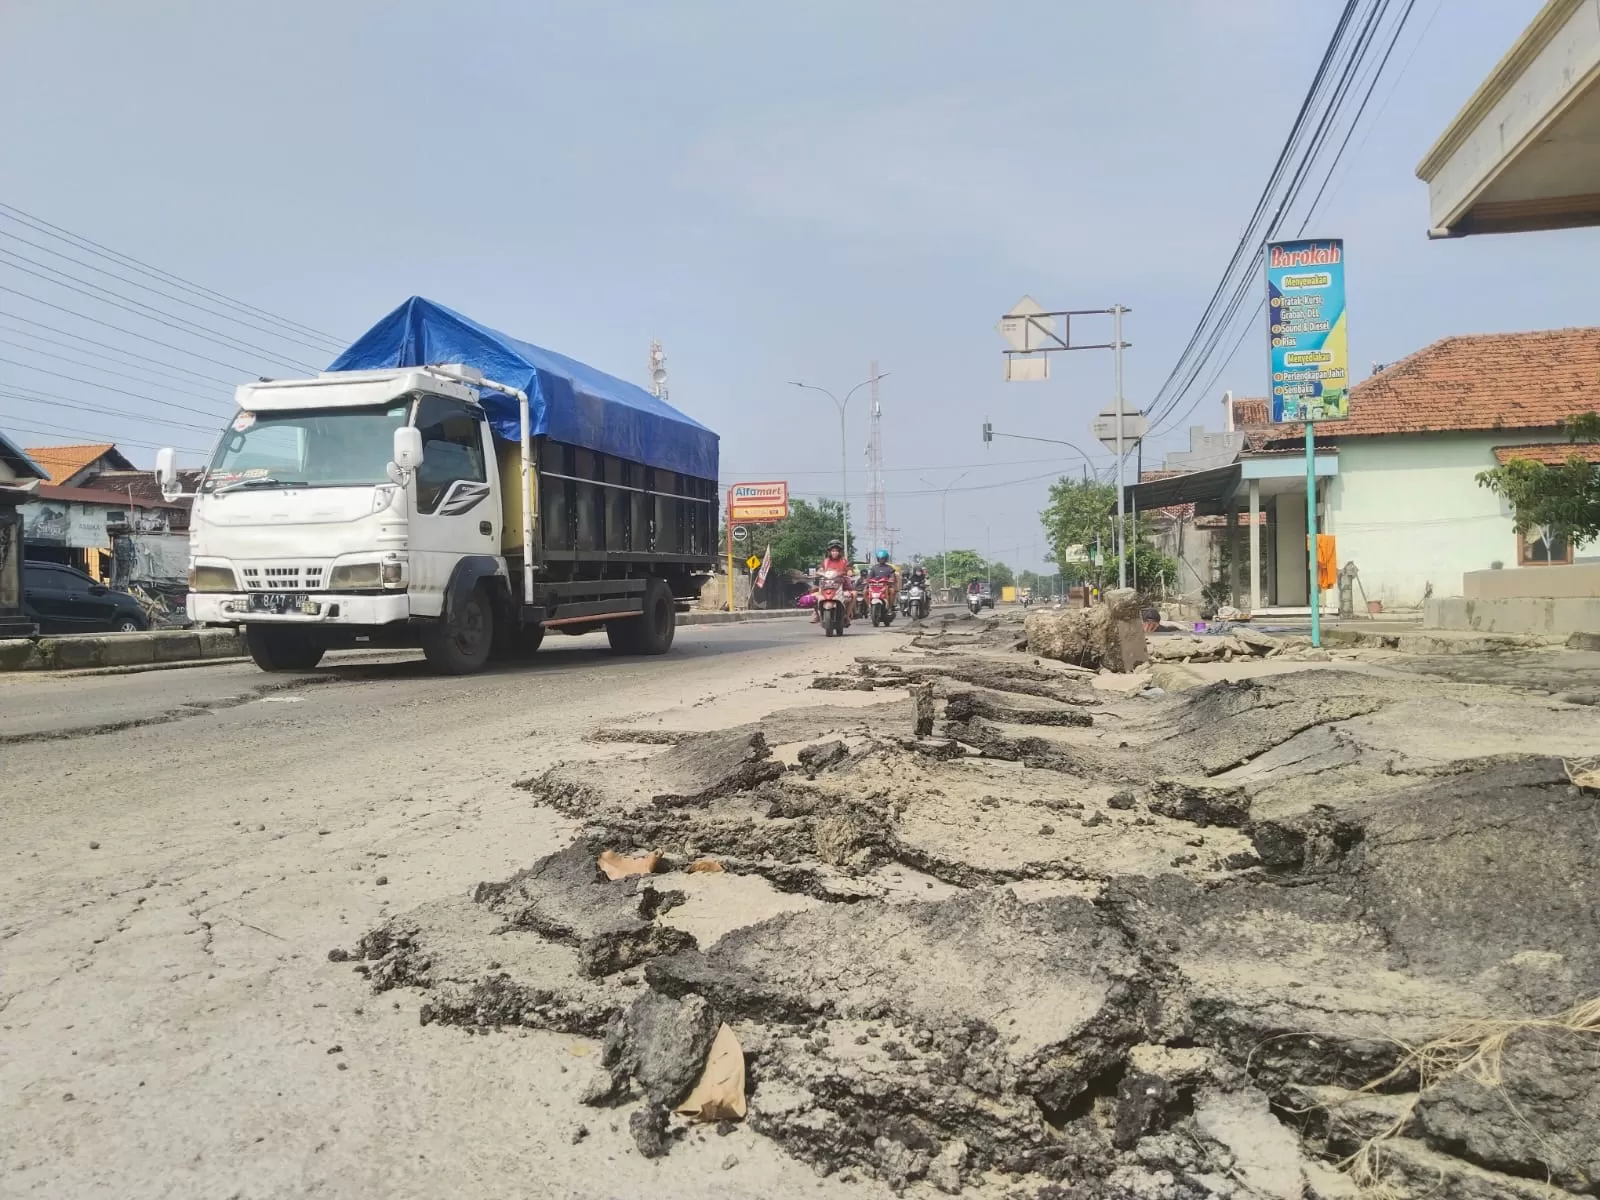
point(652, 630)
point(275, 648)
point(460, 642)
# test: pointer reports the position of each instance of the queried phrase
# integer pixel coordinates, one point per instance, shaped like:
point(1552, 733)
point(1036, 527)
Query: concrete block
point(177, 646)
point(221, 643)
point(74, 653)
point(20, 654)
point(127, 649)
point(1544, 616)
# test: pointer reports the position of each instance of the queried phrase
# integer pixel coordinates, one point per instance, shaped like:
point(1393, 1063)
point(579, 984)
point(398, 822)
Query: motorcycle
point(914, 601)
point(831, 604)
point(974, 605)
point(878, 605)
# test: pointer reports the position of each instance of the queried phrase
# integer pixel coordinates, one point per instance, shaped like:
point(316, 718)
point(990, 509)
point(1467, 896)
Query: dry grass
point(1583, 772)
point(1474, 1049)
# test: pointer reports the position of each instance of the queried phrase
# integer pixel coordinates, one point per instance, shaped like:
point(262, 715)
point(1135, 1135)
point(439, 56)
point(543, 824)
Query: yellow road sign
point(753, 561)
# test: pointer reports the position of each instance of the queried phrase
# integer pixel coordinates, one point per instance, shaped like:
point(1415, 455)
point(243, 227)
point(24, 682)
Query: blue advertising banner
point(1305, 310)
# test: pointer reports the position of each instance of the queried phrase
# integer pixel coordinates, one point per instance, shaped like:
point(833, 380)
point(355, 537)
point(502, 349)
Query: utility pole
point(944, 526)
point(844, 446)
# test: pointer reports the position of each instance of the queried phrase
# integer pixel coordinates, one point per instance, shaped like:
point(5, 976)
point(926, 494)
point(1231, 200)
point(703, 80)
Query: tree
point(1080, 523)
point(1001, 575)
point(1563, 499)
point(965, 566)
point(799, 540)
point(1077, 519)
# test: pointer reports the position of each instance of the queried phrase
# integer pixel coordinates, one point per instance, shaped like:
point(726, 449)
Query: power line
point(56, 356)
point(298, 339)
point(1347, 80)
point(131, 333)
point(79, 338)
point(1248, 238)
point(128, 304)
point(39, 224)
point(122, 413)
point(58, 430)
point(106, 387)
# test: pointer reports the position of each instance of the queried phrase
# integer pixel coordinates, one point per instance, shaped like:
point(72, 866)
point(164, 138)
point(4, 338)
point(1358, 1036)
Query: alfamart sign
point(753, 503)
point(1305, 307)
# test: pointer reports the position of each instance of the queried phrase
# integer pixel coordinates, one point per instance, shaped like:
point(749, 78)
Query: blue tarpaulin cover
point(567, 400)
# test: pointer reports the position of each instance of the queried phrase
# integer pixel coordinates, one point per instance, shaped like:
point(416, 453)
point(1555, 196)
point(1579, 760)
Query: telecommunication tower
point(658, 370)
point(877, 517)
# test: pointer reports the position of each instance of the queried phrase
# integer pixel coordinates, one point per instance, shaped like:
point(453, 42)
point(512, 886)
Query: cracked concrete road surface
point(170, 1024)
point(979, 923)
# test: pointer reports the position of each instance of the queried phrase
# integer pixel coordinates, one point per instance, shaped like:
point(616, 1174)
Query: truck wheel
point(459, 643)
point(652, 630)
point(277, 649)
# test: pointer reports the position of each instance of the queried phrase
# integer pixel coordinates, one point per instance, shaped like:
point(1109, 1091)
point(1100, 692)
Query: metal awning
point(1212, 491)
point(1206, 490)
point(1524, 153)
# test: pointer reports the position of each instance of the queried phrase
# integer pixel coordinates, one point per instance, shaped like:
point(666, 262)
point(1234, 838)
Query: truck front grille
point(289, 577)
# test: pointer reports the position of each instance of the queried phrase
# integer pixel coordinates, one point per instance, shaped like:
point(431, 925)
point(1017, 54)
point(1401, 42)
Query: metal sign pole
point(730, 549)
point(1122, 537)
point(1311, 534)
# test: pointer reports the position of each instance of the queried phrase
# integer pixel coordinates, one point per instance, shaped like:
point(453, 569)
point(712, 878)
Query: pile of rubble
point(1009, 931)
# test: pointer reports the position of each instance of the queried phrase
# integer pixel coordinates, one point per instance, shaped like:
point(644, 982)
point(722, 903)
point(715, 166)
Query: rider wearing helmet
point(835, 560)
point(882, 568)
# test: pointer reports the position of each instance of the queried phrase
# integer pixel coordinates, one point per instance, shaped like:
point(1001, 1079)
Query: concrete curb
point(1438, 641)
point(79, 652)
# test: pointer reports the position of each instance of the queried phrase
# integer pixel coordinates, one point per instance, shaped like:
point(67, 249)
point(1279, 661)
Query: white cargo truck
point(387, 503)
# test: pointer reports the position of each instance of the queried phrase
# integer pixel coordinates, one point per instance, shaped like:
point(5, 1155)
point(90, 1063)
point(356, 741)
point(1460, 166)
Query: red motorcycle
point(831, 604)
point(880, 602)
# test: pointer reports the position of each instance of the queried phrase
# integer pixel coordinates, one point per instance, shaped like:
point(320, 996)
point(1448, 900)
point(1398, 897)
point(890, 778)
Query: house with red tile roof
point(1407, 507)
point(1399, 492)
point(72, 466)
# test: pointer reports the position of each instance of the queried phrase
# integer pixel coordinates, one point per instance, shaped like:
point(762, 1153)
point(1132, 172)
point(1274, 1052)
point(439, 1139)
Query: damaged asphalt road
point(1074, 942)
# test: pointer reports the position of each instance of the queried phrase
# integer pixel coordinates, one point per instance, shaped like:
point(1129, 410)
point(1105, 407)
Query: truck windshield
point(339, 447)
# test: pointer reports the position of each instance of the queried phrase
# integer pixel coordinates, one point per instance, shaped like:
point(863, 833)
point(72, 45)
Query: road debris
point(1274, 885)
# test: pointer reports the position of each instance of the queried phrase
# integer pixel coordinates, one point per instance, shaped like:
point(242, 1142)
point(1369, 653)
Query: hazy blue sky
point(776, 190)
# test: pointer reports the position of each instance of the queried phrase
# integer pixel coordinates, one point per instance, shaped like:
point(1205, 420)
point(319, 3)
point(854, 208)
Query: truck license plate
point(277, 602)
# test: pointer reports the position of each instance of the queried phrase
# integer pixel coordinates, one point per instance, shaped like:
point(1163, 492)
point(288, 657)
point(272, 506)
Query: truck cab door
point(454, 506)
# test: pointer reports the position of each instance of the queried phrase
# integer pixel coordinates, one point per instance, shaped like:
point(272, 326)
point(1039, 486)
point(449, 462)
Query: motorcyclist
point(834, 560)
point(882, 568)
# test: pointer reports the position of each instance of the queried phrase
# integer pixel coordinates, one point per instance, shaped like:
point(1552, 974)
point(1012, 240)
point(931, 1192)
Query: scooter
point(878, 602)
point(974, 605)
point(914, 601)
point(831, 604)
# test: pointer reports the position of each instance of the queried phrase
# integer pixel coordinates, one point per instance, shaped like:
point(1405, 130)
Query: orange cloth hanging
point(1327, 562)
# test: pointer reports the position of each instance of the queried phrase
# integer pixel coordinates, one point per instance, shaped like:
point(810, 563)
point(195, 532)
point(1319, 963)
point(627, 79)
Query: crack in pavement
point(194, 708)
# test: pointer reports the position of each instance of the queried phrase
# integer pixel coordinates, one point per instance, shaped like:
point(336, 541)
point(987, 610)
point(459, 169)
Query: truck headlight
point(212, 579)
point(356, 575)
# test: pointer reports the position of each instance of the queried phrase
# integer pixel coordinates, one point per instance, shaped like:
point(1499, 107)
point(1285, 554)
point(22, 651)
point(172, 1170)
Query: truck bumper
point(209, 608)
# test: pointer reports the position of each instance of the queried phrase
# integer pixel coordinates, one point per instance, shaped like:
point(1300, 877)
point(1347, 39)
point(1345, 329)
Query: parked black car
point(63, 599)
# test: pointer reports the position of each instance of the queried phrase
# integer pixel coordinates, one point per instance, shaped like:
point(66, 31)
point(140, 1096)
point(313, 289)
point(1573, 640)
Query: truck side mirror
point(167, 473)
point(408, 447)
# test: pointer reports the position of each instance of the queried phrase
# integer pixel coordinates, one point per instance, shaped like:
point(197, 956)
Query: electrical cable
point(297, 339)
point(39, 224)
point(127, 304)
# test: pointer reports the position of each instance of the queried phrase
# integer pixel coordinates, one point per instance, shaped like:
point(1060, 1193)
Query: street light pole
point(944, 526)
point(844, 448)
